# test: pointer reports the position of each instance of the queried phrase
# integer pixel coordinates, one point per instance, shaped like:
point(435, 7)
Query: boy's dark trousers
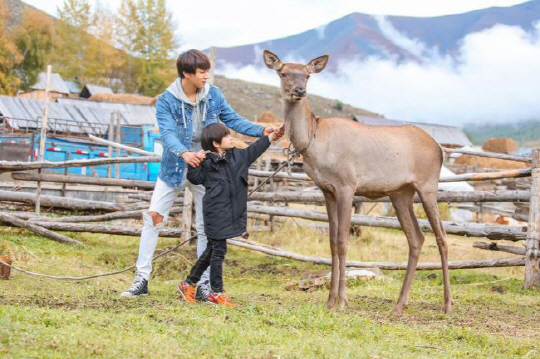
point(212, 257)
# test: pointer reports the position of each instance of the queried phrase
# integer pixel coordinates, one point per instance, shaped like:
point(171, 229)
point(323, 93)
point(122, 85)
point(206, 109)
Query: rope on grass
point(96, 275)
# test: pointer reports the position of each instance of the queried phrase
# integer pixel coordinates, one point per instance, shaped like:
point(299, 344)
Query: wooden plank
point(451, 196)
point(491, 231)
point(499, 247)
point(112, 144)
point(136, 214)
point(59, 202)
point(50, 177)
point(487, 176)
point(11, 166)
point(17, 222)
point(512, 262)
point(501, 156)
point(532, 244)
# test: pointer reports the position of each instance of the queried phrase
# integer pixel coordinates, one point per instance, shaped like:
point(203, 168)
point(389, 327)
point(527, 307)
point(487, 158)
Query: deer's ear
point(271, 60)
point(318, 64)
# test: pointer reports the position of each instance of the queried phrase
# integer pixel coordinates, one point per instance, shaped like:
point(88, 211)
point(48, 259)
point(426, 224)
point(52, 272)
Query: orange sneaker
point(220, 298)
point(187, 291)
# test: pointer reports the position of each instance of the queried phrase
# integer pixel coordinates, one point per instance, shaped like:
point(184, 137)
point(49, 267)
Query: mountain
point(361, 35)
point(251, 100)
point(15, 11)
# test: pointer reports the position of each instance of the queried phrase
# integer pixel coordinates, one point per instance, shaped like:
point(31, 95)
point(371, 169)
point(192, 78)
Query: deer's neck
point(300, 123)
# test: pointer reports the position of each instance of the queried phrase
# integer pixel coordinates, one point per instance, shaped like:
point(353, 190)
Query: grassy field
point(493, 317)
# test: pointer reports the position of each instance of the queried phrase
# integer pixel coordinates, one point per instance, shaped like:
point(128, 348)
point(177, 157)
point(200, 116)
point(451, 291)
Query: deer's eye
point(308, 76)
point(283, 74)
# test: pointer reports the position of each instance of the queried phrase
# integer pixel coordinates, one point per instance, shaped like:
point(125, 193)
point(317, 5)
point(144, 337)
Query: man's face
point(199, 78)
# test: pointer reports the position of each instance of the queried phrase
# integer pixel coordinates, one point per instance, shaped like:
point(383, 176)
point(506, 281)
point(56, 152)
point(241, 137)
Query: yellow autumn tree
point(34, 38)
point(10, 57)
point(145, 30)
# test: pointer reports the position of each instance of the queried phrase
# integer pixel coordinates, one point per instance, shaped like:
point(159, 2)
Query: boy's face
point(199, 78)
point(226, 143)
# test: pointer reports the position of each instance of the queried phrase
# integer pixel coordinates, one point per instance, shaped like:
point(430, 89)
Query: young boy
point(224, 174)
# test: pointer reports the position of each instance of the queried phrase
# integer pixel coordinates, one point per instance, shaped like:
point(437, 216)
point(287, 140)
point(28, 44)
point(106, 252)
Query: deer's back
point(375, 158)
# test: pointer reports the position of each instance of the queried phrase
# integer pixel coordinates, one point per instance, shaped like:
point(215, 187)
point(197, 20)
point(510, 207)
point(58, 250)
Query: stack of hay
point(498, 145)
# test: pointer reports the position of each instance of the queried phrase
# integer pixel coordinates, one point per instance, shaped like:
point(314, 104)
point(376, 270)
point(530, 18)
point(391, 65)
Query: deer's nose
point(299, 91)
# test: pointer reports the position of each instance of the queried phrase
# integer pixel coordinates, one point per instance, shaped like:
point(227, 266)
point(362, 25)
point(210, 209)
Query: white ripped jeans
point(162, 202)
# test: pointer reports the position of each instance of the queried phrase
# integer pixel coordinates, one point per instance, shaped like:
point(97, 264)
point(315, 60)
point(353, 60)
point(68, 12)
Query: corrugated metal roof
point(134, 114)
point(74, 116)
point(95, 89)
point(57, 83)
point(445, 135)
point(73, 87)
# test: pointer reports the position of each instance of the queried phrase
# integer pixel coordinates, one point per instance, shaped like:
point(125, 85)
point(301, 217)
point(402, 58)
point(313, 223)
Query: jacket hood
point(200, 100)
point(176, 90)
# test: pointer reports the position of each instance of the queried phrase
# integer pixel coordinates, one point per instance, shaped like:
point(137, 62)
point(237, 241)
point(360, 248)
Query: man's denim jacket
point(177, 138)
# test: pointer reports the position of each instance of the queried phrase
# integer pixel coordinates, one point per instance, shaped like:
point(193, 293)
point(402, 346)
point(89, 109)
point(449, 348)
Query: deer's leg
point(403, 204)
point(429, 201)
point(331, 209)
point(344, 204)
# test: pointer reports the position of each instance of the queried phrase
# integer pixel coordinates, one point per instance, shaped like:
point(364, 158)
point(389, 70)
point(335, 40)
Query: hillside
point(15, 10)
point(526, 133)
point(360, 35)
point(251, 100)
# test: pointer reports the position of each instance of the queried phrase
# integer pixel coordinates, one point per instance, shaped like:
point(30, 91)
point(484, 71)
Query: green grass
point(493, 316)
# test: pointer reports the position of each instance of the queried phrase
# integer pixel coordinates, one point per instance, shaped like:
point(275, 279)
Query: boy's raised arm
point(257, 148)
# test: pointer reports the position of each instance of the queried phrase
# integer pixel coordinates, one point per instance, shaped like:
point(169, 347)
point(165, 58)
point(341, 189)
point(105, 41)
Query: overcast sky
point(201, 24)
point(494, 78)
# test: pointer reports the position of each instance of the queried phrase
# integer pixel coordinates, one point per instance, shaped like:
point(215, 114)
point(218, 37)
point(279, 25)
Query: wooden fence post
point(118, 140)
point(43, 137)
point(111, 135)
point(532, 244)
point(213, 53)
point(187, 213)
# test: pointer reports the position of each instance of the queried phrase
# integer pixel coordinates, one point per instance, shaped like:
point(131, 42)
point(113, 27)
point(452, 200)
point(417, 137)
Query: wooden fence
point(528, 256)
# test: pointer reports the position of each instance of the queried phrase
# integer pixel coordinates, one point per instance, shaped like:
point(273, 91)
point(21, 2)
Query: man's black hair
point(211, 133)
point(190, 61)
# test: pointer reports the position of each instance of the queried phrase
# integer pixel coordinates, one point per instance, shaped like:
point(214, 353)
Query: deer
point(345, 158)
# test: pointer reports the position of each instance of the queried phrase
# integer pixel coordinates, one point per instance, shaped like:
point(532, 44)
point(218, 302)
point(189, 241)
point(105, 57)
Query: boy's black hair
point(190, 61)
point(211, 133)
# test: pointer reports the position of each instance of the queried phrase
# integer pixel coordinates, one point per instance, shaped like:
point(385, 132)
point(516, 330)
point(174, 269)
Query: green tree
point(34, 39)
point(145, 30)
point(71, 54)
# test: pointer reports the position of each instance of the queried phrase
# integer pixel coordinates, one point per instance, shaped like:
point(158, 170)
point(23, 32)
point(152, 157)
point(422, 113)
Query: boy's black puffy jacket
point(226, 181)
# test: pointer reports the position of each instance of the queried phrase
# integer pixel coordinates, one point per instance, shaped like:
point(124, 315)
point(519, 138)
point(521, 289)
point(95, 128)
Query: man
point(183, 110)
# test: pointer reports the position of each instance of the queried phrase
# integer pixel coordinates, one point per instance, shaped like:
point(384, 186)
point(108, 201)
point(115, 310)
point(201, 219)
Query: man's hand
point(269, 130)
point(277, 133)
point(193, 159)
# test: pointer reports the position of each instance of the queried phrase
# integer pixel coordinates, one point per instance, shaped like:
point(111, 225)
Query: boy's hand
point(269, 130)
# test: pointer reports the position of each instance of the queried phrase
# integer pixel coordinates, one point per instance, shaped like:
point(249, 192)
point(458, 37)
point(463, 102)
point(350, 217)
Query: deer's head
point(294, 77)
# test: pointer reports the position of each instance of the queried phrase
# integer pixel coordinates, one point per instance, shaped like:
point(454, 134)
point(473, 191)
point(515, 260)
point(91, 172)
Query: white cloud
point(494, 79)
